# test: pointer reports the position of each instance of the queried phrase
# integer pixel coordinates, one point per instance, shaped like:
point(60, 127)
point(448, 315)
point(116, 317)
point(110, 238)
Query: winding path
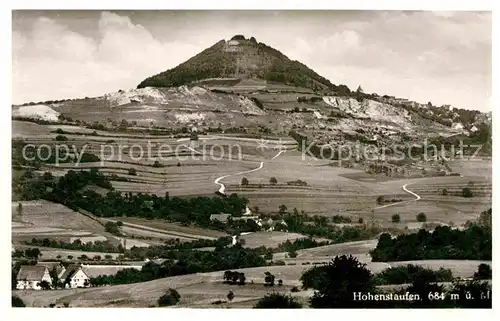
point(222, 188)
point(417, 197)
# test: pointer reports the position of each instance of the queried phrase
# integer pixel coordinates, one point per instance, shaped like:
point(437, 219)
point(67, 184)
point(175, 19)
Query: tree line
point(472, 243)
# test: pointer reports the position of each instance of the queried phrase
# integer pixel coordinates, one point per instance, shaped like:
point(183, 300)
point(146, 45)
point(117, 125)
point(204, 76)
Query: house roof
point(50, 265)
point(31, 273)
point(70, 271)
point(220, 217)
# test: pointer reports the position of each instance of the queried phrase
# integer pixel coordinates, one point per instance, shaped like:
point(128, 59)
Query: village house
point(75, 277)
point(220, 217)
point(30, 277)
point(60, 269)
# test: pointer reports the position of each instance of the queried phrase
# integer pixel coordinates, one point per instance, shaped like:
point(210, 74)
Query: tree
point(485, 218)
point(336, 282)
point(32, 253)
point(244, 181)
point(112, 227)
point(277, 301)
point(45, 285)
point(395, 218)
point(123, 125)
point(54, 276)
point(483, 272)
point(61, 138)
point(280, 282)
point(230, 296)
point(268, 279)
point(273, 181)
point(20, 209)
point(171, 297)
point(70, 257)
point(380, 200)
point(444, 192)
point(467, 192)
point(423, 285)
point(241, 279)
point(17, 302)
point(360, 220)
point(268, 255)
point(157, 164)
point(282, 209)
point(132, 171)
point(292, 254)
point(421, 217)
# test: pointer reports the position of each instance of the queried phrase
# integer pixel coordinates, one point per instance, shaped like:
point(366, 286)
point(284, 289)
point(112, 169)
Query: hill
point(241, 58)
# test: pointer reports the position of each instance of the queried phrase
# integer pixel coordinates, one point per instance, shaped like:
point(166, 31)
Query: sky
point(441, 57)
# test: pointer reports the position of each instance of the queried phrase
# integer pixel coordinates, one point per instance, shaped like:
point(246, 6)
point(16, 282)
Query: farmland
point(201, 170)
point(200, 290)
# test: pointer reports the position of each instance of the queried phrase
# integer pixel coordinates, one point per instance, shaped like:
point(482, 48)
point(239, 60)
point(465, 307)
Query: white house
point(30, 276)
point(74, 277)
point(457, 126)
point(60, 269)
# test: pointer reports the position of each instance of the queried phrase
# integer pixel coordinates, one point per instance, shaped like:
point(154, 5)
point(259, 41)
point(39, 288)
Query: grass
point(269, 239)
point(43, 219)
point(175, 230)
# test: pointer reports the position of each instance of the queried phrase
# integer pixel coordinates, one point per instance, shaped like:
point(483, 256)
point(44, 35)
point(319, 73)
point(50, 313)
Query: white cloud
point(53, 62)
point(441, 57)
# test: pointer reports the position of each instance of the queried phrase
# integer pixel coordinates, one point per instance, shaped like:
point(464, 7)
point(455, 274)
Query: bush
point(295, 289)
point(336, 282)
point(466, 192)
point(444, 192)
point(292, 254)
point(61, 138)
point(157, 164)
point(278, 301)
point(421, 217)
point(273, 181)
point(483, 272)
point(360, 220)
point(230, 296)
point(17, 302)
point(132, 171)
point(171, 297)
point(395, 218)
point(112, 228)
point(269, 279)
point(409, 273)
point(244, 181)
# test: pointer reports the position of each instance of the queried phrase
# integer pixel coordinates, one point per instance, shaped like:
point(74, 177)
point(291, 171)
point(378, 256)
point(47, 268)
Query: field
point(208, 166)
point(269, 239)
point(205, 169)
point(43, 219)
point(200, 290)
point(174, 229)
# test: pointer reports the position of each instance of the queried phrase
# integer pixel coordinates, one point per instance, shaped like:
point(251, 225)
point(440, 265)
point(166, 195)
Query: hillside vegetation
point(245, 58)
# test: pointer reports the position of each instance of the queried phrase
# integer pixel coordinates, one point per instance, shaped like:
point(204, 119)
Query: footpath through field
point(417, 197)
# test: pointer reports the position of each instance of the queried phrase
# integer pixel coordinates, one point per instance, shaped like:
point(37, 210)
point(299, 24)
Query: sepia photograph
point(251, 159)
